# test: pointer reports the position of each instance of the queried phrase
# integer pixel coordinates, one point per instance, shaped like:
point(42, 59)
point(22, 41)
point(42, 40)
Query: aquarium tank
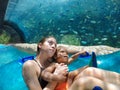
point(76, 22)
point(72, 22)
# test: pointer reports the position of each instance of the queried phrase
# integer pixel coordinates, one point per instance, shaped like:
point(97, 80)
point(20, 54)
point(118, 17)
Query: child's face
point(62, 56)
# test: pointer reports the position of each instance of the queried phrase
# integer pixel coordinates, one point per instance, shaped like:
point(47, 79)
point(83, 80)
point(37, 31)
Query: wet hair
point(42, 41)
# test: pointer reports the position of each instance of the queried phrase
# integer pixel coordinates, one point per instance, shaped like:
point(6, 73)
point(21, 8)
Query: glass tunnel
point(76, 22)
point(72, 22)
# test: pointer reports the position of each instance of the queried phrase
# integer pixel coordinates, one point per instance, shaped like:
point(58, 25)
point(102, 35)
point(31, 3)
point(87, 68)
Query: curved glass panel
point(79, 22)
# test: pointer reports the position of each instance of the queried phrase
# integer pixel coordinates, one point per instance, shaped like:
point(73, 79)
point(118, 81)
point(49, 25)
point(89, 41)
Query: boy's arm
point(54, 73)
point(74, 56)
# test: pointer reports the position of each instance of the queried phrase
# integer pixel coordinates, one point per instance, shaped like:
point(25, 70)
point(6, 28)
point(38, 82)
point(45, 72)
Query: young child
point(83, 78)
point(61, 56)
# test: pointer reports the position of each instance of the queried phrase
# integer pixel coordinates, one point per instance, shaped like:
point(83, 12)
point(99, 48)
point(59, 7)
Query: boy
point(61, 56)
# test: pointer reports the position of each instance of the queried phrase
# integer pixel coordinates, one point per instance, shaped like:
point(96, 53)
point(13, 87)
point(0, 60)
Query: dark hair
point(42, 41)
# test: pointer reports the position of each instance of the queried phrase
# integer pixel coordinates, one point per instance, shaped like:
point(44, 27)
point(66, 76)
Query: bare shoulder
point(30, 73)
point(29, 63)
point(30, 69)
point(53, 64)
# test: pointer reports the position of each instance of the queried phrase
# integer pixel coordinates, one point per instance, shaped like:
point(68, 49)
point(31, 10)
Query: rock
point(99, 50)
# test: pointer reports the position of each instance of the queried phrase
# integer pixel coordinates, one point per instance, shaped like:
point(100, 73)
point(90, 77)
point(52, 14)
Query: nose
point(53, 46)
point(65, 54)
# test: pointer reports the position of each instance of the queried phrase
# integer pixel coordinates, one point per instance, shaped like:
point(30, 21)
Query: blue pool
point(10, 68)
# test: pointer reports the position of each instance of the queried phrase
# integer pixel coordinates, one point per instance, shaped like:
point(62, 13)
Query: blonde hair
point(58, 49)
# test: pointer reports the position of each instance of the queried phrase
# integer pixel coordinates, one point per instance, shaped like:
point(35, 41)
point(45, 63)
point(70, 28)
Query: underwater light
point(99, 62)
point(61, 1)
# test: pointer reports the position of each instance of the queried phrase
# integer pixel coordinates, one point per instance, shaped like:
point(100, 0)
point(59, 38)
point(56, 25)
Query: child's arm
point(74, 56)
point(73, 74)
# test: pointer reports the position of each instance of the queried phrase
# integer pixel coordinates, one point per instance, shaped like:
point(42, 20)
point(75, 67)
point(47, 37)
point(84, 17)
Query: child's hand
point(83, 54)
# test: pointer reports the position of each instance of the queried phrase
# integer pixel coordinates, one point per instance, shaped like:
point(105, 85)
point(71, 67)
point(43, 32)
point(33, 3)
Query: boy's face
point(62, 56)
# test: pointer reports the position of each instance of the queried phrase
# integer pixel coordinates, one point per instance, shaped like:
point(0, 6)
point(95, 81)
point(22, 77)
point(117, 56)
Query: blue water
point(107, 62)
point(9, 53)
point(11, 69)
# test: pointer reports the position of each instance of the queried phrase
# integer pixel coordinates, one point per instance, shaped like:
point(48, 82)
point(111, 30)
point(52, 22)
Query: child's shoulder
point(53, 64)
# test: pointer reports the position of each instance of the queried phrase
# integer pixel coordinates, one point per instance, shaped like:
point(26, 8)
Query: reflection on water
point(107, 62)
point(10, 68)
point(9, 53)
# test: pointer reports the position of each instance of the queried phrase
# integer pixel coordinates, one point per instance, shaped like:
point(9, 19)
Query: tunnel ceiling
point(80, 22)
point(3, 6)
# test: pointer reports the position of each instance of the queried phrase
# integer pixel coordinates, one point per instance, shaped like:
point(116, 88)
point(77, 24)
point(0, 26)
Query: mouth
point(52, 50)
point(65, 57)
